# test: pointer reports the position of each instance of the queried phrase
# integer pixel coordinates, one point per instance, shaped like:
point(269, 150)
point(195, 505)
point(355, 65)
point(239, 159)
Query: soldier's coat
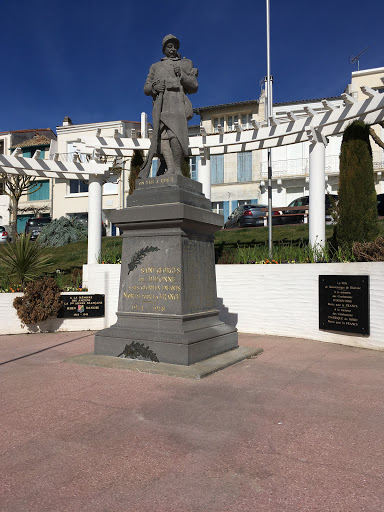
point(176, 107)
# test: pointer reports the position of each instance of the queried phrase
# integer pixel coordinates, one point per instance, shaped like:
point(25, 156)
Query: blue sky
point(89, 60)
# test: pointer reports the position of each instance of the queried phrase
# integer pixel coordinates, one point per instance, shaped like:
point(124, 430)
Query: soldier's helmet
point(169, 38)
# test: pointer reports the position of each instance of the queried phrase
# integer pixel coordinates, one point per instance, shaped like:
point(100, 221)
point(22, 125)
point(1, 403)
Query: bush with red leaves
point(41, 300)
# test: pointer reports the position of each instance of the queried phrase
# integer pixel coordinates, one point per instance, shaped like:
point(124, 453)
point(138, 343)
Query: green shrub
point(61, 232)
point(357, 207)
point(40, 301)
point(24, 260)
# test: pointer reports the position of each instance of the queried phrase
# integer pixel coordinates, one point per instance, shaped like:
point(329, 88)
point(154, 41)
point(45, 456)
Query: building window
point(155, 167)
point(42, 194)
point(246, 121)
point(217, 207)
point(217, 169)
point(230, 122)
point(28, 153)
point(110, 187)
point(244, 167)
point(78, 187)
point(193, 165)
point(216, 122)
point(1, 147)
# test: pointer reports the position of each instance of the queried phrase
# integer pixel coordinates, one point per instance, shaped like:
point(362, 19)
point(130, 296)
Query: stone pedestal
point(167, 304)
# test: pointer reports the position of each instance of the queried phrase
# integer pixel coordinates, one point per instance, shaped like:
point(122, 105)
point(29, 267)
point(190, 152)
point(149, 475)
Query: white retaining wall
point(11, 323)
point(275, 299)
point(262, 299)
point(283, 300)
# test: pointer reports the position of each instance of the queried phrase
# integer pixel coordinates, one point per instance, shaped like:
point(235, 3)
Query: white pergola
point(93, 171)
point(314, 127)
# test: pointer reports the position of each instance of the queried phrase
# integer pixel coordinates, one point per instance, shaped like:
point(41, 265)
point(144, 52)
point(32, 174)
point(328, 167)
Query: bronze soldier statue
point(168, 82)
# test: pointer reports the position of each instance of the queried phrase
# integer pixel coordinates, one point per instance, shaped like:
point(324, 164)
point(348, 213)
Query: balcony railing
point(86, 157)
point(300, 166)
point(293, 167)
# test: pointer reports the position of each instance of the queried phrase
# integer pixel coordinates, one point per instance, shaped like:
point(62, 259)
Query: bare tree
point(16, 186)
point(36, 210)
point(375, 137)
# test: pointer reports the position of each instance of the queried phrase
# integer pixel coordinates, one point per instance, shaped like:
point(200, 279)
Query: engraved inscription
point(158, 180)
point(82, 306)
point(344, 304)
point(155, 290)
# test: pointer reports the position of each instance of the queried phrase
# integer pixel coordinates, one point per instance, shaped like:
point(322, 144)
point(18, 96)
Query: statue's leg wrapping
point(168, 156)
point(177, 153)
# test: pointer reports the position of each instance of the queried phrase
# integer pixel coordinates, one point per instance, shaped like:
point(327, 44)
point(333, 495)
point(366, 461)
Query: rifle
point(155, 142)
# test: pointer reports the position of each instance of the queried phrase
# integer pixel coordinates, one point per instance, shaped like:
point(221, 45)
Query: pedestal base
point(167, 303)
point(181, 340)
point(194, 371)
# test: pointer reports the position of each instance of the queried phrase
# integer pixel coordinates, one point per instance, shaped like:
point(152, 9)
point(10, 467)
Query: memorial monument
point(168, 82)
point(167, 309)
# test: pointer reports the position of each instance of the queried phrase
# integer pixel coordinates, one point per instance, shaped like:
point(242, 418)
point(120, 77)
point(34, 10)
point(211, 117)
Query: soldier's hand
point(159, 87)
point(177, 70)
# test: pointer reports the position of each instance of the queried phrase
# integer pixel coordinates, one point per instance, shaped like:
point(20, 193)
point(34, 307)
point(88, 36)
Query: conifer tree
point(357, 207)
point(136, 163)
point(185, 169)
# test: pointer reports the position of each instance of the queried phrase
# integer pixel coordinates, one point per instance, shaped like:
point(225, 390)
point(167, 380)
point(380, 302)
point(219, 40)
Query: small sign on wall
point(82, 306)
point(344, 304)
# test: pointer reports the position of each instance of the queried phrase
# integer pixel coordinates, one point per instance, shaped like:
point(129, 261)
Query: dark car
point(295, 216)
point(250, 215)
point(34, 226)
point(380, 205)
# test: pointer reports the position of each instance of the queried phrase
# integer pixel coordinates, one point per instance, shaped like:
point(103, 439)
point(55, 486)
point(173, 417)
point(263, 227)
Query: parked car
point(83, 218)
point(330, 200)
point(380, 205)
point(34, 226)
point(3, 235)
point(249, 215)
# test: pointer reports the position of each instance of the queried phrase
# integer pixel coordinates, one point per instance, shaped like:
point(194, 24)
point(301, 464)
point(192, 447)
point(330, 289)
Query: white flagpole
point(269, 114)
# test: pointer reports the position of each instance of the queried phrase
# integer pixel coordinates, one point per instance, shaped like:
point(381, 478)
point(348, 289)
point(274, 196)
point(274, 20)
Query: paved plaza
point(300, 427)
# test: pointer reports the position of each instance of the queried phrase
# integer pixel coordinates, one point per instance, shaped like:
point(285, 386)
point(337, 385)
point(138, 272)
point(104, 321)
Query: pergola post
point(317, 194)
point(94, 218)
point(204, 172)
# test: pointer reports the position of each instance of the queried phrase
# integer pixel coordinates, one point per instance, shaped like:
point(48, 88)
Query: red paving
point(299, 428)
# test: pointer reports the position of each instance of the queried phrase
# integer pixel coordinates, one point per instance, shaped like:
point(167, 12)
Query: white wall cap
point(372, 71)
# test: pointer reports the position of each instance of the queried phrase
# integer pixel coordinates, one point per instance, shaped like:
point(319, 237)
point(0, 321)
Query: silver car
point(3, 235)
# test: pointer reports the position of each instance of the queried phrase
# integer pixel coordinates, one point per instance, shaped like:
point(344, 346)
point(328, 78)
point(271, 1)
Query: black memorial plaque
point(82, 306)
point(344, 304)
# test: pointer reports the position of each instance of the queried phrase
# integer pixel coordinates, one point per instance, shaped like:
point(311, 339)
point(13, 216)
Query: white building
point(236, 178)
point(71, 196)
point(40, 197)
point(242, 177)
